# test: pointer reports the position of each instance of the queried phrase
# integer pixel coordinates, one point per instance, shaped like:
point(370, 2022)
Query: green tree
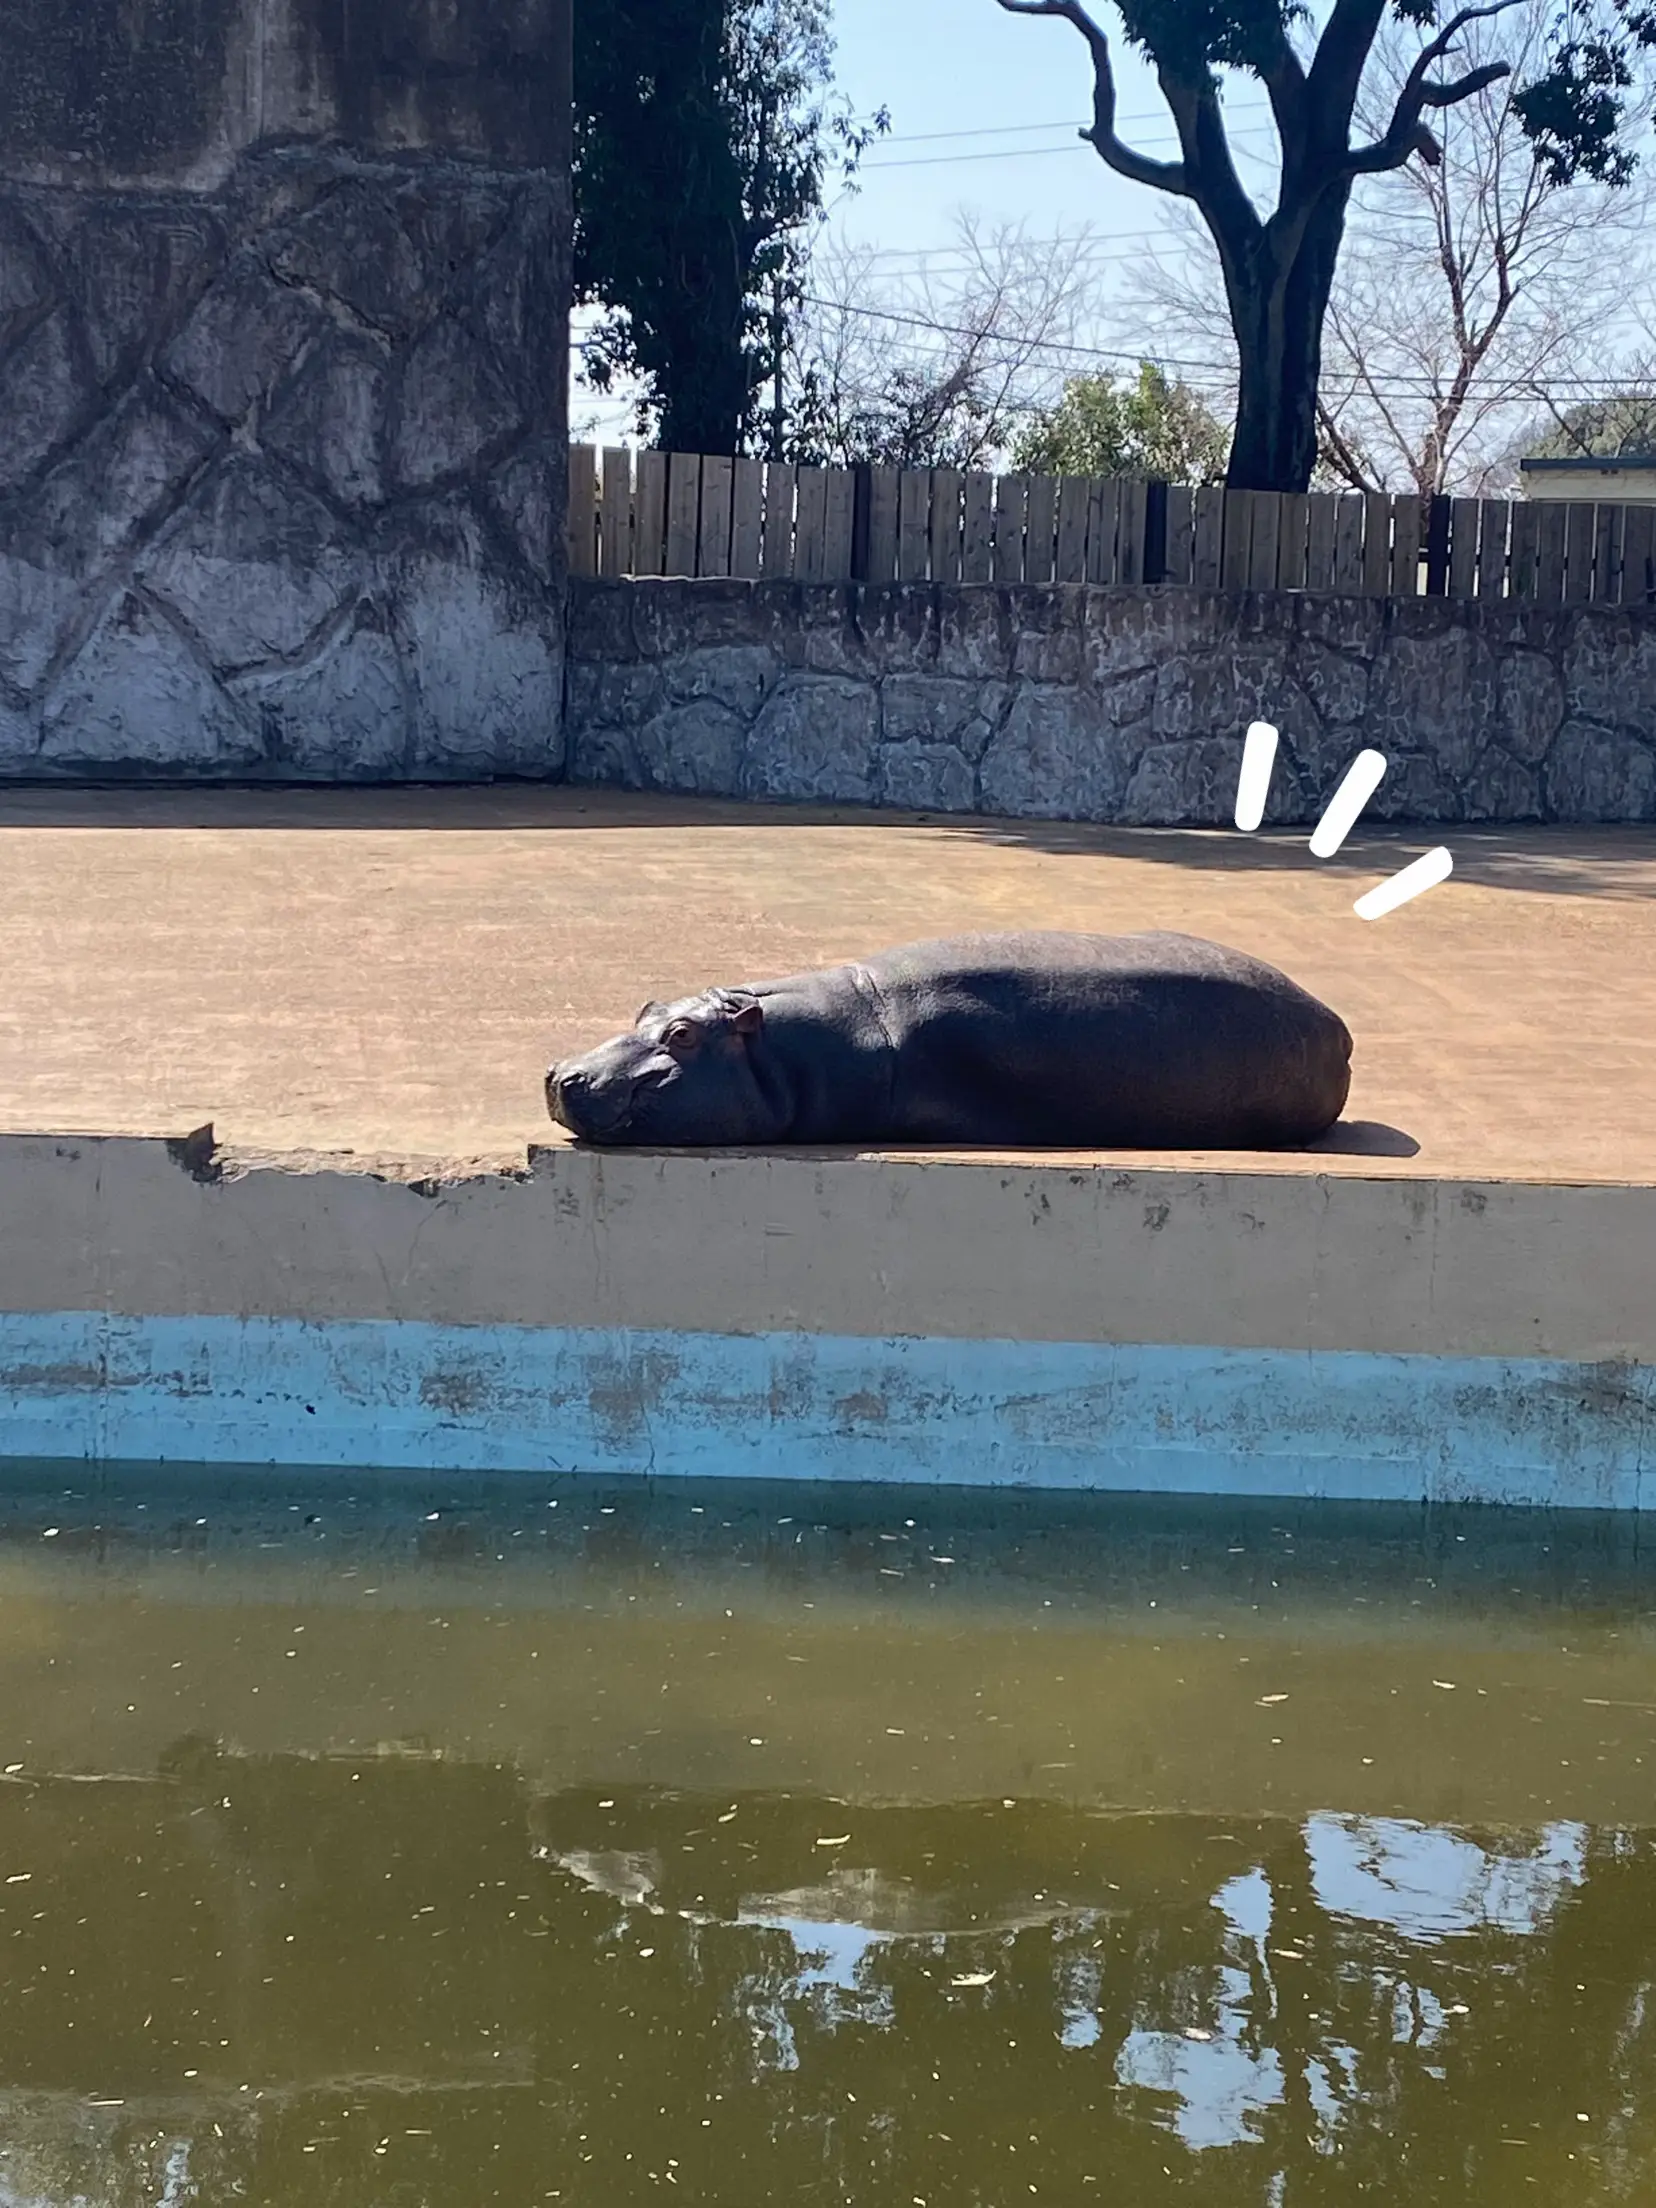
point(1150, 427)
point(705, 131)
point(1279, 268)
point(1600, 429)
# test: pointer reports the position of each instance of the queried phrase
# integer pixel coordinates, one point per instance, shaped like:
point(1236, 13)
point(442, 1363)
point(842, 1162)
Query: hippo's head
point(687, 1075)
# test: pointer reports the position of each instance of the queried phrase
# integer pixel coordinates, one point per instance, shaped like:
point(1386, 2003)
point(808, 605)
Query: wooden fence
point(654, 513)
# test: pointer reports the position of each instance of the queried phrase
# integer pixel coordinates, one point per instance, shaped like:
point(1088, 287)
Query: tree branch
point(1212, 179)
point(1406, 134)
point(1342, 54)
point(1161, 176)
point(1283, 76)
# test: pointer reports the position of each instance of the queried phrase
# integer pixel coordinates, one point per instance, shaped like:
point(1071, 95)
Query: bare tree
point(1468, 289)
point(1474, 288)
point(939, 368)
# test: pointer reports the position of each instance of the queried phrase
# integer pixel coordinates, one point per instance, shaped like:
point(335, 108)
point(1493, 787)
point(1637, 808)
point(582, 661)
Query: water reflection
point(288, 1923)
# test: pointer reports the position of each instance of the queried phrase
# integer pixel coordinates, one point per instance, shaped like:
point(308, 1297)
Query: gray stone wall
point(1124, 705)
point(283, 440)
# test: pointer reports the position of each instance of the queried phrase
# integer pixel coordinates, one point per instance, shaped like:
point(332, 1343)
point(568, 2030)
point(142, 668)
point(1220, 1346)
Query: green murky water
point(583, 1846)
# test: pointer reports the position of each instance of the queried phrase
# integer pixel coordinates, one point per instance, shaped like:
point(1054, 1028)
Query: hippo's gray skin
point(1151, 1041)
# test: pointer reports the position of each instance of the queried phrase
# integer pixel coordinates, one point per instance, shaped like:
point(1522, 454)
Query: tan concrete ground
point(389, 971)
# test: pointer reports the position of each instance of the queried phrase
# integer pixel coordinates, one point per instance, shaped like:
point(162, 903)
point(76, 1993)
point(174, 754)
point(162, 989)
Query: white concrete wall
point(833, 1317)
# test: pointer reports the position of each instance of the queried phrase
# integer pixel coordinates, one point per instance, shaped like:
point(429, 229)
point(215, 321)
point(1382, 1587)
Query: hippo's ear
point(748, 1020)
point(645, 1010)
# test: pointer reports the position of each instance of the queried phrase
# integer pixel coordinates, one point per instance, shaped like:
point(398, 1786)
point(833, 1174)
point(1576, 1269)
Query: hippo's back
point(1153, 1040)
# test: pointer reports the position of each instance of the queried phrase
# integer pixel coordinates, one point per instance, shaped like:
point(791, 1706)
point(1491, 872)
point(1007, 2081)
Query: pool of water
point(376, 1843)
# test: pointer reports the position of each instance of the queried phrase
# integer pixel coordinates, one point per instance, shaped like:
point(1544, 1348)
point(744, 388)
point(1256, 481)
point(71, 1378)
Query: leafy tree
point(1602, 429)
point(1151, 428)
point(1279, 268)
point(704, 134)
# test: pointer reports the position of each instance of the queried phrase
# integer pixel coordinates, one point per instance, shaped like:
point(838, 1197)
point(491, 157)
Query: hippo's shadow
point(1366, 1138)
point(1358, 1138)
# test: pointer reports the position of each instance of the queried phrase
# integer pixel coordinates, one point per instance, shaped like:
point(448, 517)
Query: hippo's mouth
point(570, 1104)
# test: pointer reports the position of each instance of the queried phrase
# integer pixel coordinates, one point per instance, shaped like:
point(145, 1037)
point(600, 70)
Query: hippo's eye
point(682, 1037)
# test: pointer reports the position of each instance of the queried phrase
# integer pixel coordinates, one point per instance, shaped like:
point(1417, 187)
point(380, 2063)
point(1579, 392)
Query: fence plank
point(1011, 514)
point(1377, 521)
point(1408, 526)
point(1264, 541)
point(1103, 525)
point(1181, 522)
point(1323, 508)
point(650, 514)
point(838, 521)
point(810, 524)
point(1348, 545)
point(1608, 524)
point(945, 525)
point(978, 531)
point(1208, 537)
point(583, 510)
point(1132, 521)
point(615, 511)
point(882, 523)
point(1526, 521)
point(713, 530)
point(1463, 547)
point(1074, 494)
point(1549, 552)
point(1238, 547)
point(683, 508)
point(1493, 516)
point(747, 506)
point(1041, 529)
point(1295, 514)
point(776, 543)
point(913, 524)
point(1638, 555)
point(1578, 552)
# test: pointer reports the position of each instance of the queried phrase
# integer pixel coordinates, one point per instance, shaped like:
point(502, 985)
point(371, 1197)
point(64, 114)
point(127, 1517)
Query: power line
point(964, 266)
point(1402, 388)
point(1018, 153)
point(1019, 130)
point(1057, 242)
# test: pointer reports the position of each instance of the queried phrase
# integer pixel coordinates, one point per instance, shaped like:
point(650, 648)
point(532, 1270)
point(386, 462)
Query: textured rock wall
point(1125, 705)
point(281, 474)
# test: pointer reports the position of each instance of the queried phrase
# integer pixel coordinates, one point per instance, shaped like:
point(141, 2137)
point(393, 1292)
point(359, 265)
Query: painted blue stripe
point(398, 1394)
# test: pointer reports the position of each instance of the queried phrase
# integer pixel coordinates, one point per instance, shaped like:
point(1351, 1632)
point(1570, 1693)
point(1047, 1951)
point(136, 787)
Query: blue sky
point(1021, 87)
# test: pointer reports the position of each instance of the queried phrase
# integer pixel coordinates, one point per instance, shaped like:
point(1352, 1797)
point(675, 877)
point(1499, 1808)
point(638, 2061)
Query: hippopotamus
point(1030, 1041)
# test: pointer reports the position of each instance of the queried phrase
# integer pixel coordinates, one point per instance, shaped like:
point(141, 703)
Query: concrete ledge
point(871, 1318)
